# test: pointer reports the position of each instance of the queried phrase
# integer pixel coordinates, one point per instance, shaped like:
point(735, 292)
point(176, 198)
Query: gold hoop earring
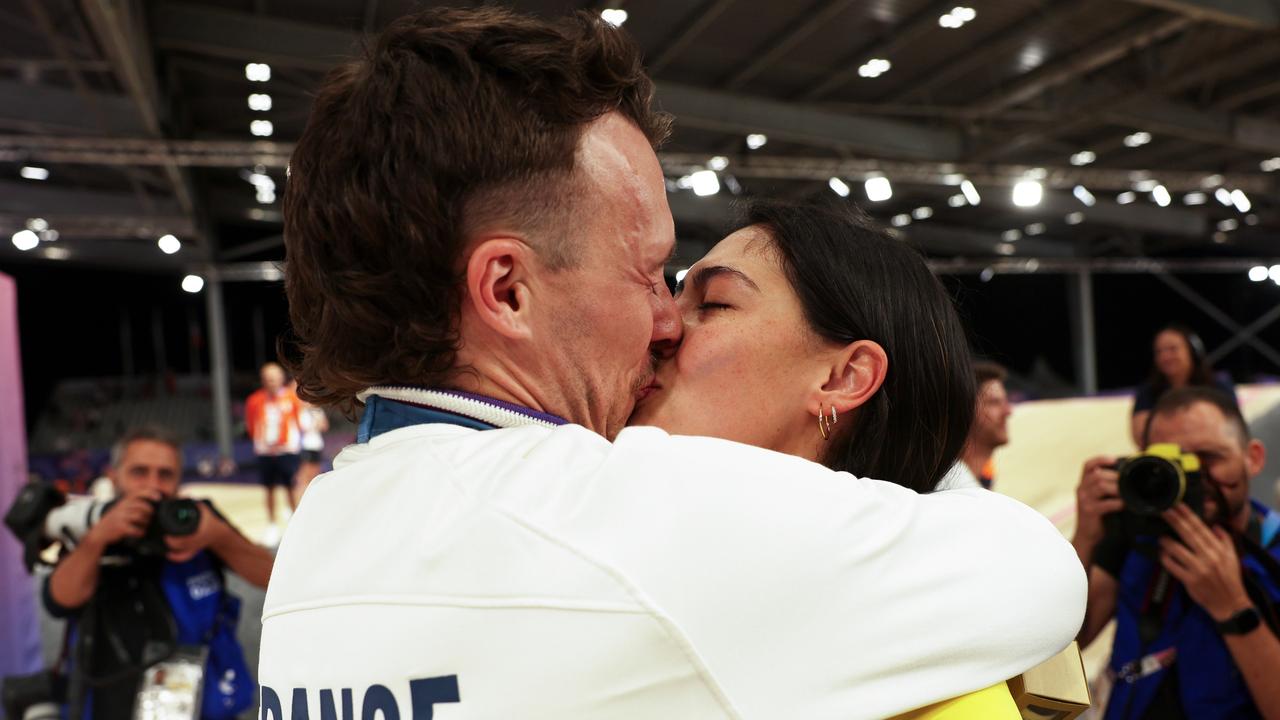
point(822, 422)
point(834, 419)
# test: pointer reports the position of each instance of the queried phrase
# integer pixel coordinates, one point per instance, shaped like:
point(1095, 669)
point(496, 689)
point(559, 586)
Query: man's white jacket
point(446, 572)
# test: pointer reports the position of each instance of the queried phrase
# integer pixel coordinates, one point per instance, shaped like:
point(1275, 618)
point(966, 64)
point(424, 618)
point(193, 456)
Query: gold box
point(1056, 689)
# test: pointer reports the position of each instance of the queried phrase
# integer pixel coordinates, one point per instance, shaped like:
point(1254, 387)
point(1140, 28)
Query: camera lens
point(178, 517)
point(1150, 485)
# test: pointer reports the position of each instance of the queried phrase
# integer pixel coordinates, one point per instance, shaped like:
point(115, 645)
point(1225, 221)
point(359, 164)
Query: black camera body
point(41, 514)
point(28, 697)
point(1151, 483)
point(173, 517)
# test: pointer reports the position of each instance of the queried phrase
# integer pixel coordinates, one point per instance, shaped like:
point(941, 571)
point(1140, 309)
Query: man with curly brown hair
point(477, 225)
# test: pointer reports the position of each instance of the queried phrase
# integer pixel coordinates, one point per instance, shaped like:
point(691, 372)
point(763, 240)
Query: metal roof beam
point(810, 22)
point(37, 199)
point(245, 36)
point(66, 110)
point(798, 123)
point(693, 26)
point(1098, 55)
point(1250, 14)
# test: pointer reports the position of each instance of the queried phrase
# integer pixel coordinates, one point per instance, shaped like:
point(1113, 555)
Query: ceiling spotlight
point(1228, 225)
point(987, 274)
point(257, 72)
point(922, 213)
point(34, 173)
point(261, 128)
point(1006, 248)
point(1127, 197)
point(1270, 164)
point(878, 188)
point(970, 192)
point(260, 102)
point(1145, 185)
point(838, 186)
point(874, 68)
point(1240, 200)
point(1223, 196)
point(1274, 273)
point(1195, 198)
point(1137, 139)
point(193, 283)
point(1074, 218)
point(1161, 195)
point(1258, 273)
point(957, 200)
point(1220, 238)
point(755, 141)
point(169, 244)
point(25, 240)
point(614, 16)
point(900, 220)
point(1013, 235)
point(1251, 219)
point(1083, 195)
point(718, 163)
point(952, 179)
point(1027, 193)
point(1036, 229)
point(704, 183)
point(1211, 181)
point(1084, 157)
point(37, 224)
point(957, 17)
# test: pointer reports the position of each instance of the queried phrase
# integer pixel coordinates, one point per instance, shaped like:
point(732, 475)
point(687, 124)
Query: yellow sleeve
point(993, 703)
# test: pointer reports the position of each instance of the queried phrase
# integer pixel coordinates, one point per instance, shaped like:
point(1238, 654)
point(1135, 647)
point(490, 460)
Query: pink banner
point(19, 623)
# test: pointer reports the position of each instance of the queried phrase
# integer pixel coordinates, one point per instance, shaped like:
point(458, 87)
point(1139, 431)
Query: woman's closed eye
point(708, 306)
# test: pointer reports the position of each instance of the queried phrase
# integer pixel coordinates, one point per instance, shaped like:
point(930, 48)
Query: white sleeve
point(816, 594)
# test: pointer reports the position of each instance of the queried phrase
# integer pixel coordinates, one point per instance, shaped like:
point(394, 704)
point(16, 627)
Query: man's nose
point(668, 326)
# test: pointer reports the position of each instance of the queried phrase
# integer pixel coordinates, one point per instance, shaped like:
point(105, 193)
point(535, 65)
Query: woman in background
point(1179, 359)
point(312, 423)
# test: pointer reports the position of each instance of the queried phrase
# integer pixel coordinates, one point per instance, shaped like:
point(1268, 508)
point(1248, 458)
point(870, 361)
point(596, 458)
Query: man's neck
point(976, 458)
point(1241, 521)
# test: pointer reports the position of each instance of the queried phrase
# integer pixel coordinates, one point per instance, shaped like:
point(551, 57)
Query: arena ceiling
point(1152, 126)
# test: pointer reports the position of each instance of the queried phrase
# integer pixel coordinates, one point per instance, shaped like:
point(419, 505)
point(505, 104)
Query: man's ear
point(1255, 457)
point(856, 375)
point(498, 285)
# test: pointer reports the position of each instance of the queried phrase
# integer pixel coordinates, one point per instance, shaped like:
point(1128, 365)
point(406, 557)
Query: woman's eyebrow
point(705, 275)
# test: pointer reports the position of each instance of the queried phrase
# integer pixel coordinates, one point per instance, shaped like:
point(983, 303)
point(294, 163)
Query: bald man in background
point(271, 420)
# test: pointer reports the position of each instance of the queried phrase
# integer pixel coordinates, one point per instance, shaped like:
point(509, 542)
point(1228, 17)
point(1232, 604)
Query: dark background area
point(70, 319)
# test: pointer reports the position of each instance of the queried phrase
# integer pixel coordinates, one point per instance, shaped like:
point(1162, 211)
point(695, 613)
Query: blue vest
point(1209, 683)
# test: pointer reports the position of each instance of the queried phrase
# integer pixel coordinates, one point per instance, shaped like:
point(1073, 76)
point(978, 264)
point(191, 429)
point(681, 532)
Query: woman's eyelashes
point(707, 306)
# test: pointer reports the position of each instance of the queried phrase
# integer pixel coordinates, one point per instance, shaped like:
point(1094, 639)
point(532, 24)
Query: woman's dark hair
point(855, 282)
point(1201, 370)
point(451, 119)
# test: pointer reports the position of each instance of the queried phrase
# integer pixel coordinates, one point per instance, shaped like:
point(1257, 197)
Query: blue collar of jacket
point(392, 408)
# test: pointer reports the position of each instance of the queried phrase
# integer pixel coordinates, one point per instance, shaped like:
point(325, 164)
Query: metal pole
point(157, 340)
point(259, 338)
point(1085, 334)
point(219, 360)
point(126, 344)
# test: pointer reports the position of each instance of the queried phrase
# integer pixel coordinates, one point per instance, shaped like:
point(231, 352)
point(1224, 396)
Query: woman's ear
point(497, 285)
point(857, 375)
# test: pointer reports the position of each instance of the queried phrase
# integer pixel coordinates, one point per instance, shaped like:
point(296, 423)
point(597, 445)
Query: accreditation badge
point(171, 689)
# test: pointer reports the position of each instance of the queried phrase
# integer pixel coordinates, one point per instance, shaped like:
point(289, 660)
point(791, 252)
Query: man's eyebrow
point(706, 274)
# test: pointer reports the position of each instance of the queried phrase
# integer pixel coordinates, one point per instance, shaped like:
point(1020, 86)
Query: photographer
point(146, 468)
point(1195, 606)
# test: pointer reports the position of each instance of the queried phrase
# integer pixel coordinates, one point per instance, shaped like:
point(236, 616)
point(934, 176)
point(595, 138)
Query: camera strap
point(1155, 607)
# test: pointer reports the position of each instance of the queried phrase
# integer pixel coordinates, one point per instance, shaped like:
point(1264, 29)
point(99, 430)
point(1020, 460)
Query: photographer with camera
point(130, 552)
point(1186, 563)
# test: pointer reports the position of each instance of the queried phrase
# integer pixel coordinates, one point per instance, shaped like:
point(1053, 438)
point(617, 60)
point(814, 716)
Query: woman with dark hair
point(1179, 360)
point(813, 332)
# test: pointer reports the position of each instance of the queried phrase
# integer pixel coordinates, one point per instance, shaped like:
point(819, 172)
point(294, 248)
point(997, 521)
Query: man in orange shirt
point(271, 419)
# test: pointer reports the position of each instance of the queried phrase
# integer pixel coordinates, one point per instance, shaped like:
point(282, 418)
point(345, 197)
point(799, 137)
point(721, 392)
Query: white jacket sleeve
point(816, 594)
